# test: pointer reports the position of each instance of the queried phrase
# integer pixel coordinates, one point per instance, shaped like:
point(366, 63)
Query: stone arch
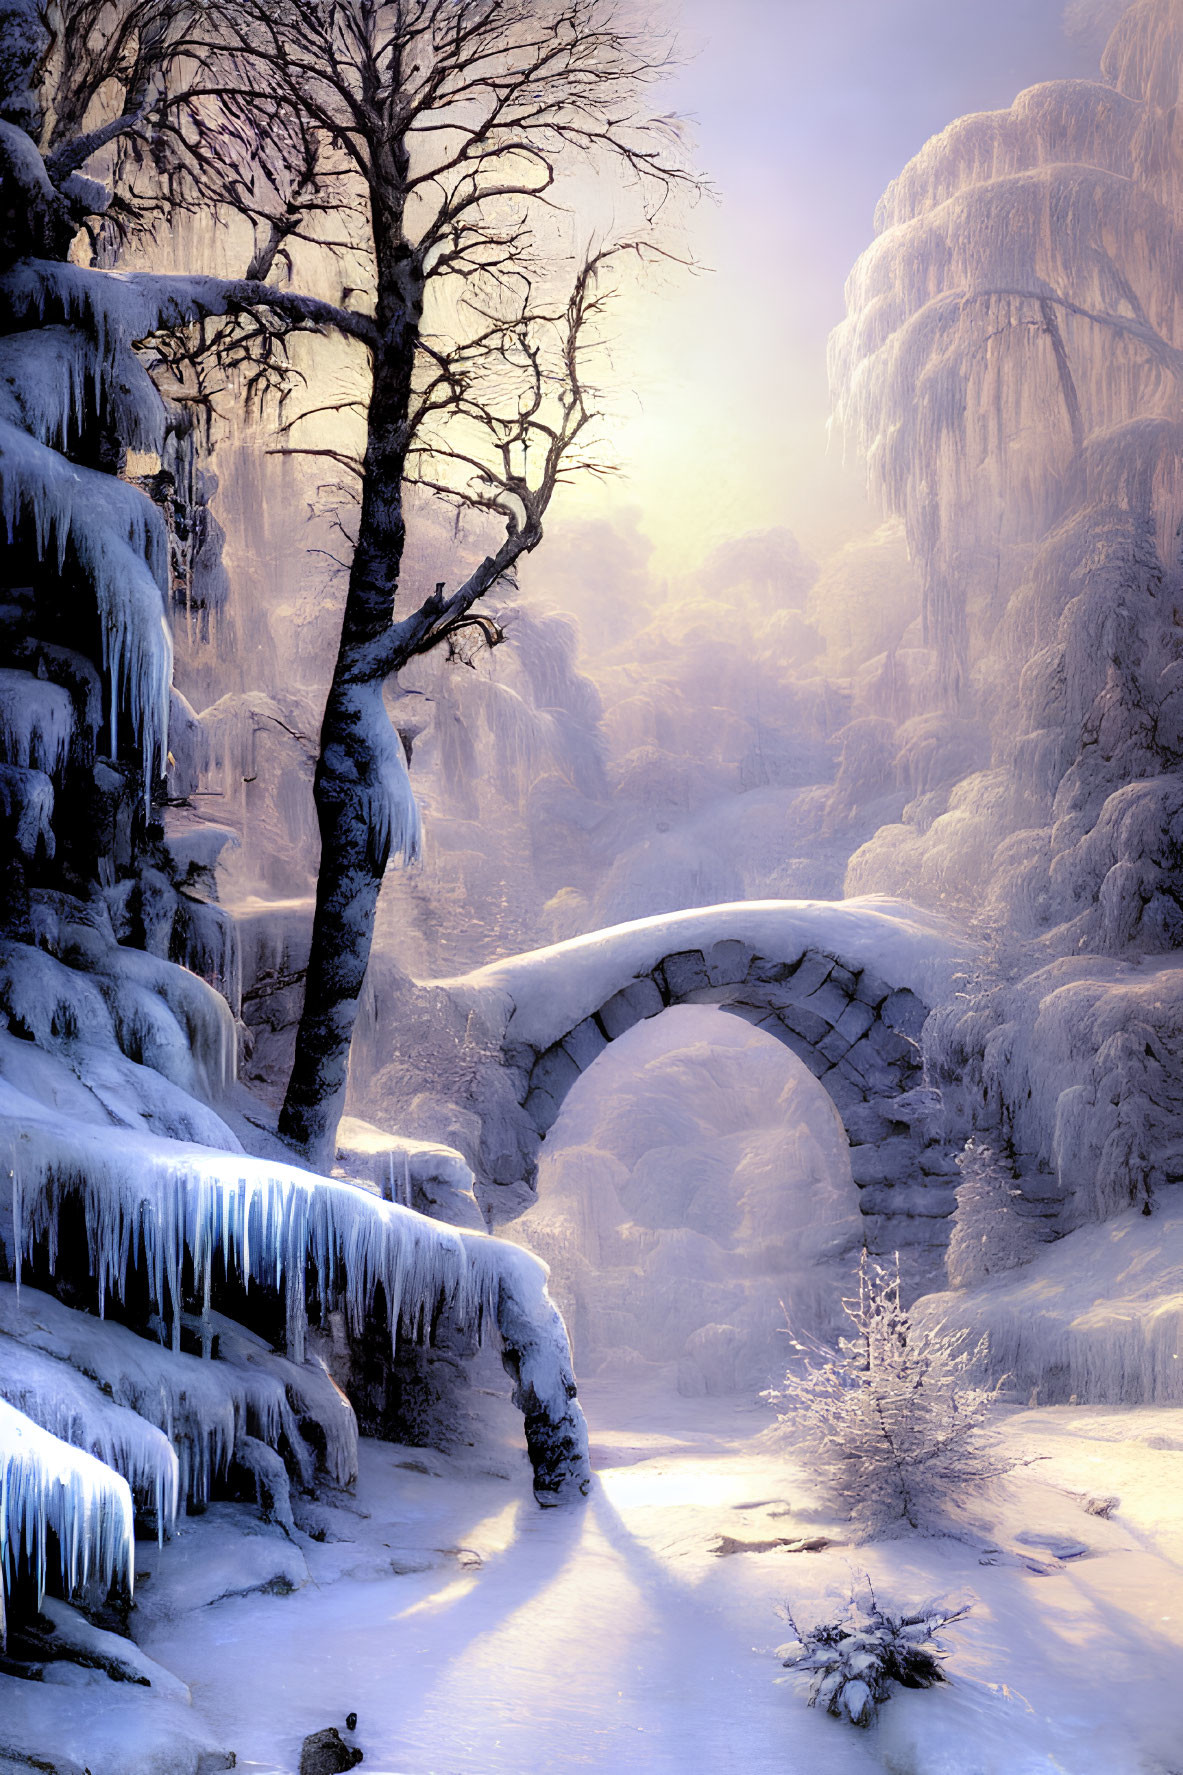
point(846, 985)
point(857, 1034)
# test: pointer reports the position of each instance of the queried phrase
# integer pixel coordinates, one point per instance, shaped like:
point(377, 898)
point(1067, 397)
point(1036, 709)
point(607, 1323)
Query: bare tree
point(443, 131)
point(418, 154)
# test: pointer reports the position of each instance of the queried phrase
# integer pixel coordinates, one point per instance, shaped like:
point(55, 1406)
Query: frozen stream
point(612, 1638)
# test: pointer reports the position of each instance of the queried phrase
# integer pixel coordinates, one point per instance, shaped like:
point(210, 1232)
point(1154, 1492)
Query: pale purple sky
point(803, 110)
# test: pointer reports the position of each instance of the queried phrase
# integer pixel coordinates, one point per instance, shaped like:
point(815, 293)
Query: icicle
point(73, 1408)
point(53, 374)
point(36, 722)
point(47, 1487)
point(26, 799)
point(200, 1406)
point(267, 1221)
point(118, 538)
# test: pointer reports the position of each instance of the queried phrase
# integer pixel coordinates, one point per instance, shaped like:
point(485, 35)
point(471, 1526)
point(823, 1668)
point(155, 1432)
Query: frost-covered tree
point(1010, 367)
point(426, 149)
point(890, 1420)
point(988, 1236)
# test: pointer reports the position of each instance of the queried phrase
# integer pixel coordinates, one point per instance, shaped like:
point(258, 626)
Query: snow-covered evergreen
point(894, 1420)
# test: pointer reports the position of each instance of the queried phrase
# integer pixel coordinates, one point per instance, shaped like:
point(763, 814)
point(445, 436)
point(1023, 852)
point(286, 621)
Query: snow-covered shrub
point(890, 1420)
point(988, 1236)
point(853, 1661)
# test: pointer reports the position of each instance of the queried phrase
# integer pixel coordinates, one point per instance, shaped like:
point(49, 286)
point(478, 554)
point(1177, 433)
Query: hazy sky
point(803, 111)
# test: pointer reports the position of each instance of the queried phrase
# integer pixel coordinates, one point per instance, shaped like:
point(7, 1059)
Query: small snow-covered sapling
point(853, 1661)
point(891, 1421)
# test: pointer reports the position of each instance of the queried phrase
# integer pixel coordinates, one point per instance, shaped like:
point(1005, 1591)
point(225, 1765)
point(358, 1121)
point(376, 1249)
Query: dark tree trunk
point(353, 861)
point(356, 740)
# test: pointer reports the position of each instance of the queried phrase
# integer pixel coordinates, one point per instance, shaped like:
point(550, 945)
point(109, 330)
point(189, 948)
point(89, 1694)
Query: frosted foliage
point(49, 1489)
point(893, 1421)
point(522, 713)
point(36, 722)
point(118, 539)
point(866, 598)
point(197, 1406)
point(75, 1409)
point(696, 1178)
point(1098, 1316)
point(1016, 324)
point(988, 1236)
point(228, 752)
point(1077, 1065)
point(1059, 122)
point(938, 856)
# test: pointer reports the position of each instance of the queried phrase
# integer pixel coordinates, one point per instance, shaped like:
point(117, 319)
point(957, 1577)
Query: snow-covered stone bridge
point(846, 985)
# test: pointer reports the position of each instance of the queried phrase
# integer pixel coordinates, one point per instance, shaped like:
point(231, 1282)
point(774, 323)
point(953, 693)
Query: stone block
point(728, 962)
point(813, 1058)
point(843, 979)
point(555, 1073)
point(542, 1110)
point(684, 972)
point(812, 972)
point(520, 1056)
point(833, 1046)
point(797, 1044)
point(764, 971)
point(804, 1023)
point(750, 1014)
point(939, 1161)
point(904, 1013)
point(829, 1001)
point(865, 1062)
point(891, 1047)
point(890, 1161)
point(908, 1199)
point(866, 1124)
point(845, 1091)
point(631, 1005)
point(923, 1111)
point(885, 1103)
point(855, 1020)
point(585, 1042)
point(871, 989)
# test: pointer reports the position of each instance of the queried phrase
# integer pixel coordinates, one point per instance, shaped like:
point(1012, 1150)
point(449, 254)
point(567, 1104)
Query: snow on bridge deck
point(550, 990)
point(846, 985)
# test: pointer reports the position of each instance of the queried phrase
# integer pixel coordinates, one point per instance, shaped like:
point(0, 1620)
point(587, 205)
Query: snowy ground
point(472, 1632)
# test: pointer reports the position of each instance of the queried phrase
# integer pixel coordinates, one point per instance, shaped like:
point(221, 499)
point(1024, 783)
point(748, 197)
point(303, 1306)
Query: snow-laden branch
point(132, 306)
